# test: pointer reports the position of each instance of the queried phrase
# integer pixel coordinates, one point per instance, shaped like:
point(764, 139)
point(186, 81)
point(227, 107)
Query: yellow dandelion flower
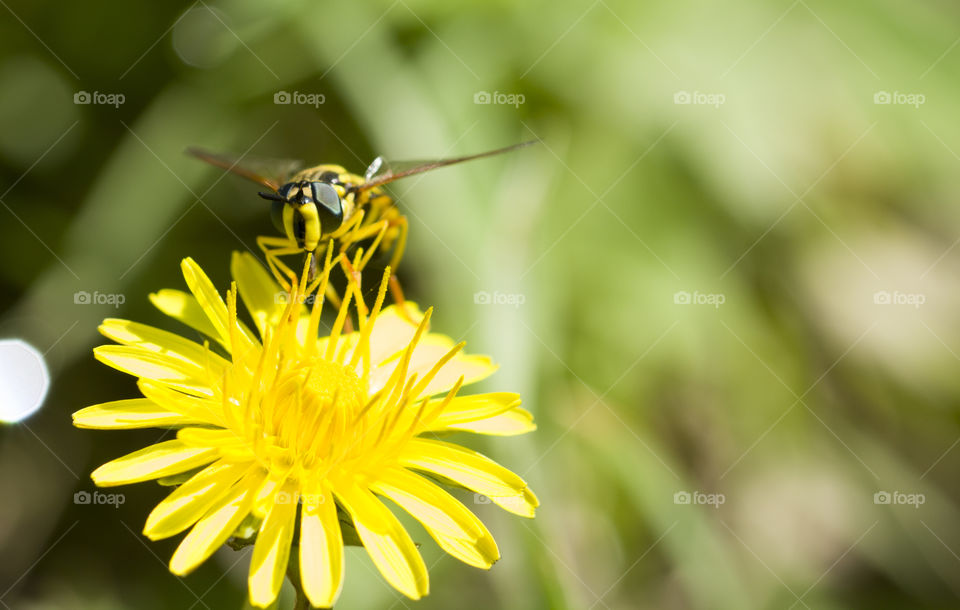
point(281, 429)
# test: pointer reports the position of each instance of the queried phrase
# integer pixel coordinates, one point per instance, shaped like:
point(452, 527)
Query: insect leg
point(273, 241)
point(403, 228)
point(376, 243)
point(377, 229)
point(346, 235)
point(401, 223)
point(342, 233)
point(273, 248)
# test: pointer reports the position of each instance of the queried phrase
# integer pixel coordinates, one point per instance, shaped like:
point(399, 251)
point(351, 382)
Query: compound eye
point(328, 205)
point(276, 214)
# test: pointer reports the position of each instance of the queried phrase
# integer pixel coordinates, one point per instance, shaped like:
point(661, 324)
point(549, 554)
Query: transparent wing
point(382, 171)
point(271, 173)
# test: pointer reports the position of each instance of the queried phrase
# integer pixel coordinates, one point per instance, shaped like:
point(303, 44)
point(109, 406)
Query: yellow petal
point(522, 504)
point(321, 548)
point(513, 422)
point(127, 414)
point(392, 332)
point(457, 530)
point(472, 368)
point(387, 543)
point(462, 409)
point(158, 367)
point(431, 348)
point(209, 437)
point(257, 290)
point(193, 407)
point(216, 526)
point(481, 554)
point(268, 565)
point(191, 500)
point(163, 342)
point(226, 442)
point(473, 471)
point(213, 306)
point(183, 306)
point(266, 495)
point(153, 462)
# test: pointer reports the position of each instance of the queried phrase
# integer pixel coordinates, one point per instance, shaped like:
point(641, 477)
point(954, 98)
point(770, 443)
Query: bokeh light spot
point(24, 380)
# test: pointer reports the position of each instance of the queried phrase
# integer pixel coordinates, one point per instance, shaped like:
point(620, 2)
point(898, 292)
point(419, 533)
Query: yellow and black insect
point(324, 204)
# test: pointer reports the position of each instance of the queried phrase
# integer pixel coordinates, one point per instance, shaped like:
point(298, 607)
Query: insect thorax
point(323, 173)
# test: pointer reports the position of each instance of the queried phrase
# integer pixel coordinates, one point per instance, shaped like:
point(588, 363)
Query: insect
point(315, 207)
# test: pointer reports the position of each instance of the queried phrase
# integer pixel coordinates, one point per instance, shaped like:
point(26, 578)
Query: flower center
point(322, 383)
point(311, 411)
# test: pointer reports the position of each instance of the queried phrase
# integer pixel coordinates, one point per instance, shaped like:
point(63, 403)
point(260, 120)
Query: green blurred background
point(785, 200)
